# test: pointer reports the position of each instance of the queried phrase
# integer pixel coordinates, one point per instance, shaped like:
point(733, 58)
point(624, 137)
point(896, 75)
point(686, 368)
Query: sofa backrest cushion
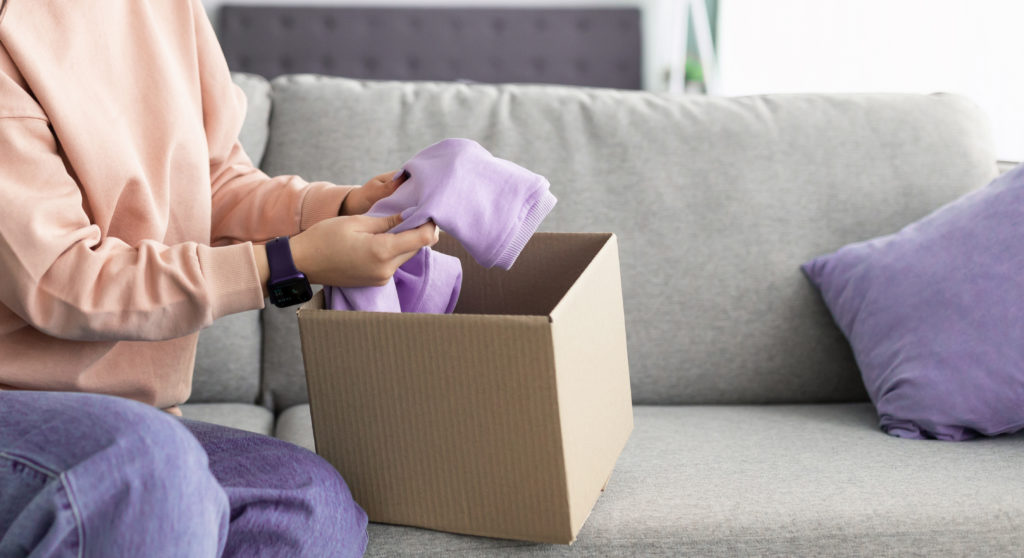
point(228, 360)
point(228, 357)
point(255, 128)
point(716, 201)
point(284, 375)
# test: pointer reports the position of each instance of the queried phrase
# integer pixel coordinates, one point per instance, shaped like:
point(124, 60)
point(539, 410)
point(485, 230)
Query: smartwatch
point(287, 286)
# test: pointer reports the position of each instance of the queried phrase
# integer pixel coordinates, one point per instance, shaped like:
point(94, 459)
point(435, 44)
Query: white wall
point(660, 23)
point(971, 47)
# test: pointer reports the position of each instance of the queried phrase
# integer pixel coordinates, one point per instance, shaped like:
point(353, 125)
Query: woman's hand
point(354, 250)
point(360, 200)
point(357, 251)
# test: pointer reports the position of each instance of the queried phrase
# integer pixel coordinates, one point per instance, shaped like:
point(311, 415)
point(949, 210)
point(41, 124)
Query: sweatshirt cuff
point(538, 210)
point(321, 201)
point(232, 278)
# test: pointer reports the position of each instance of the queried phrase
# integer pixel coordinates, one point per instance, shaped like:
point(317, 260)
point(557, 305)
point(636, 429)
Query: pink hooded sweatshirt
point(127, 205)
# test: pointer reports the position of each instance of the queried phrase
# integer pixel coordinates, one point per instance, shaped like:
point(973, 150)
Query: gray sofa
point(753, 431)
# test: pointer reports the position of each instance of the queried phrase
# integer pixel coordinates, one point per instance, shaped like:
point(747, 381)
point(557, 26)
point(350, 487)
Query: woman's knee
point(66, 429)
point(132, 477)
point(340, 522)
point(144, 449)
point(293, 499)
point(157, 476)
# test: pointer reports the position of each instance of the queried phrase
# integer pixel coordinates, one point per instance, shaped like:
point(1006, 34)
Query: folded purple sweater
point(490, 205)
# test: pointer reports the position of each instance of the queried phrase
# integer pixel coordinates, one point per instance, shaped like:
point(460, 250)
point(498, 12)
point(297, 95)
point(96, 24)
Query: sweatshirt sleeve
point(248, 204)
point(63, 277)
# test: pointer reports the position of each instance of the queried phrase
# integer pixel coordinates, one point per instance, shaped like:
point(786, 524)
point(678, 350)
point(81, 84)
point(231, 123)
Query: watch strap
point(279, 259)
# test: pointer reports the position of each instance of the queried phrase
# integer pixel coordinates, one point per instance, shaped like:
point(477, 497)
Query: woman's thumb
point(379, 225)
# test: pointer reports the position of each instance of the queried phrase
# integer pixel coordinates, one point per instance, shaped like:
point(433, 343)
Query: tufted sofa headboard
point(592, 46)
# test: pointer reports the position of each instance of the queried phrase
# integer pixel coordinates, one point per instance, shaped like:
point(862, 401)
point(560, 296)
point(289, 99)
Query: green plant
point(693, 72)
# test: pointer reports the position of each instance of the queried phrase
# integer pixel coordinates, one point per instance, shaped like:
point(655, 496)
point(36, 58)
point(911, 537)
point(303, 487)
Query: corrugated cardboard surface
point(503, 419)
point(594, 399)
point(541, 276)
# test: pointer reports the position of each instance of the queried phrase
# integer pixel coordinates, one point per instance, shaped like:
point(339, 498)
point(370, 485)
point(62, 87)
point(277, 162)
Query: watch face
point(290, 292)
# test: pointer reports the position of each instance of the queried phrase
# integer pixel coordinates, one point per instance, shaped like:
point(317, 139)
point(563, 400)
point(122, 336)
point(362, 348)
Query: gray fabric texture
point(295, 425)
point(228, 360)
point(716, 201)
point(257, 115)
point(236, 415)
point(284, 374)
point(793, 480)
point(573, 46)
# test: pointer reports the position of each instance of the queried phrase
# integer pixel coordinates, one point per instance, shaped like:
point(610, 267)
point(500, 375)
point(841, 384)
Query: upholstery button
point(415, 23)
point(330, 22)
point(498, 25)
point(457, 25)
point(287, 21)
point(583, 24)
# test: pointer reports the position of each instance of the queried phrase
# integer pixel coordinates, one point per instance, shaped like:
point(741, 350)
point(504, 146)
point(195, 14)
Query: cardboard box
point(503, 419)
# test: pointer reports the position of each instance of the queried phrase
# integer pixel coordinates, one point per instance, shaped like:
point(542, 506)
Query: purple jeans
point(93, 475)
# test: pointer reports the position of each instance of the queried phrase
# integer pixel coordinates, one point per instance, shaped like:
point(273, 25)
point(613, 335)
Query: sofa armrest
point(1004, 166)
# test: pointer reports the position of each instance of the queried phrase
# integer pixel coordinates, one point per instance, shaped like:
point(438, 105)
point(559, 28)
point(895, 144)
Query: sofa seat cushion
point(236, 415)
point(774, 480)
point(295, 425)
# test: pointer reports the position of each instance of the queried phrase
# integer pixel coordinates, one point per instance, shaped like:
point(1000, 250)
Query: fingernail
point(437, 233)
point(400, 176)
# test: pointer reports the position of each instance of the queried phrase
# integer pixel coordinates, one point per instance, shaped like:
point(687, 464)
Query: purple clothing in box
point(490, 205)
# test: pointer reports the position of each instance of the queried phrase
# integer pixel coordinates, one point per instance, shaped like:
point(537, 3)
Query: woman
point(131, 218)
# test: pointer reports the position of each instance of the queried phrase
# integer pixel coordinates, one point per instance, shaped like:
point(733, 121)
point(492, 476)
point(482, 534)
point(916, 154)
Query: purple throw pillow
point(935, 315)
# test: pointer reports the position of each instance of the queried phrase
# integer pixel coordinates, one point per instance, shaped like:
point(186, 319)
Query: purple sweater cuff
point(540, 208)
